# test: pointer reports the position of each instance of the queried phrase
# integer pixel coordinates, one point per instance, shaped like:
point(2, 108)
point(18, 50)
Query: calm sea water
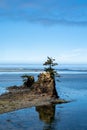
point(70, 116)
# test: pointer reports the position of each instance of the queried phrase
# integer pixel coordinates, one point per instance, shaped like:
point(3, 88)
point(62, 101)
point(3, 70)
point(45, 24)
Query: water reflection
point(47, 115)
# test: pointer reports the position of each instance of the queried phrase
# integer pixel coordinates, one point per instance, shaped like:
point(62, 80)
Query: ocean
point(72, 86)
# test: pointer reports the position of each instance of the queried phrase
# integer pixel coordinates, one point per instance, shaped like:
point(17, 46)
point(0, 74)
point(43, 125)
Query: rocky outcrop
point(45, 85)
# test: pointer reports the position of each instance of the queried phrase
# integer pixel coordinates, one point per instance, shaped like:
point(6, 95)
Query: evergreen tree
point(28, 80)
point(51, 63)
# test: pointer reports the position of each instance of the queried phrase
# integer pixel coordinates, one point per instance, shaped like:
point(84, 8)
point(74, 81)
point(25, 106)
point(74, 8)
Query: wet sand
point(23, 99)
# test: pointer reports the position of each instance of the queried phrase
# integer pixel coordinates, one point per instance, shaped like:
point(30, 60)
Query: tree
point(28, 80)
point(50, 63)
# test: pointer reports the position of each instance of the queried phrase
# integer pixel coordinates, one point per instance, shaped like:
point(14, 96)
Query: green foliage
point(50, 63)
point(28, 80)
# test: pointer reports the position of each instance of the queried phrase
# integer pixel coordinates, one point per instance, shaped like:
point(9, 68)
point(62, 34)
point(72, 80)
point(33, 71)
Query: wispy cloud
point(75, 55)
point(45, 11)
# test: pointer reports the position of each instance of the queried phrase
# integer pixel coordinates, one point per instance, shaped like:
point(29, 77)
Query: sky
point(31, 30)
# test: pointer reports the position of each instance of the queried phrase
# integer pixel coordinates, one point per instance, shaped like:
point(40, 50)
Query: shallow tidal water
point(69, 116)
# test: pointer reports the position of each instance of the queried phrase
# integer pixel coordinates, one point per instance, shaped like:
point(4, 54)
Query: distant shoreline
point(18, 69)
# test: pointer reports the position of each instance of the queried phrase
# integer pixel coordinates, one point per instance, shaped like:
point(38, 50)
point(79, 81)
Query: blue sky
point(31, 30)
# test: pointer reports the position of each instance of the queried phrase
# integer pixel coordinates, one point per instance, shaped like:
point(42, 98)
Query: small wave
point(39, 70)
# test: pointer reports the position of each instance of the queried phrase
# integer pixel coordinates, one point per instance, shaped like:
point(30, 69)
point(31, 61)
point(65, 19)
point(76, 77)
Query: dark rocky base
point(25, 98)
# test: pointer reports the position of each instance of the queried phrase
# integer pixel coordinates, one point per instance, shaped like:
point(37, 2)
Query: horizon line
point(40, 63)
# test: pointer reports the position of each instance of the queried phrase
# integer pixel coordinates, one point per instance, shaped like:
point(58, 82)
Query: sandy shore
point(23, 99)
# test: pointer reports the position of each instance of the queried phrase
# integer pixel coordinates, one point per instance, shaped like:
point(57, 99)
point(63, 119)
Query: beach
point(72, 115)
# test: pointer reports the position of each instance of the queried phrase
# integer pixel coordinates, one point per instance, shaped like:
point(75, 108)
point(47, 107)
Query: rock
point(45, 84)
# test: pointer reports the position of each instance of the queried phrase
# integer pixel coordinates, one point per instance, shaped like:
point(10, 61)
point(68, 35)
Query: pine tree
point(51, 63)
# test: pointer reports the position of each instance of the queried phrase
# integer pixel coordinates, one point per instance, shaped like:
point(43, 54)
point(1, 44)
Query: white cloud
point(74, 56)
